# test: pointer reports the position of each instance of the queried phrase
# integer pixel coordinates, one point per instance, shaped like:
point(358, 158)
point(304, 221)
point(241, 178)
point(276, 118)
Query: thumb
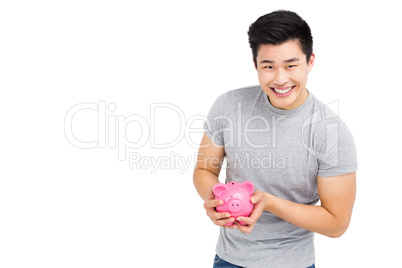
point(211, 195)
point(255, 199)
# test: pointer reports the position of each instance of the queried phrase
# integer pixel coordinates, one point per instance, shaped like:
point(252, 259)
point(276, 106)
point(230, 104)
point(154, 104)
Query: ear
point(311, 62)
point(248, 186)
point(219, 188)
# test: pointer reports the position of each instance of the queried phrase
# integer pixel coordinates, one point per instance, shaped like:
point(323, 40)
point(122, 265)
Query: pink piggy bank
point(236, 197)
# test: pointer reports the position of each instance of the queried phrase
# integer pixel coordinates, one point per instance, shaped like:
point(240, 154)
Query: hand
point(259, 199)
point(218, 218)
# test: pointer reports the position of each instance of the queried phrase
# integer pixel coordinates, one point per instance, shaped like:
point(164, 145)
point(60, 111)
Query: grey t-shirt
point(282, 152)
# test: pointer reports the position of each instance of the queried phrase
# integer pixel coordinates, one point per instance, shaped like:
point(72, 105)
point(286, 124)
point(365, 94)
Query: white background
point(64, 206)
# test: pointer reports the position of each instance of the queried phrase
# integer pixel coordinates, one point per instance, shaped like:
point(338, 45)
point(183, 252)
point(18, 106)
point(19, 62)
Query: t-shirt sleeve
point(216, 120)
point(338, 154)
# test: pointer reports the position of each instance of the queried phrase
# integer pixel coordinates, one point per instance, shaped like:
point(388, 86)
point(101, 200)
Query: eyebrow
point(285, 61)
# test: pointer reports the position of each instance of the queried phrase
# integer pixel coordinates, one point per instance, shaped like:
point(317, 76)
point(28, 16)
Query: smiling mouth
point(282, 90)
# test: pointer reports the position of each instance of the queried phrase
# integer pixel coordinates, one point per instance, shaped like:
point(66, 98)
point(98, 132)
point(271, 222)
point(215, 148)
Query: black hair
point(278, 27)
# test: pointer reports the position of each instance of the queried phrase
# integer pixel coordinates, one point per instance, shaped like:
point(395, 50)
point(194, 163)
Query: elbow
point(337, 230)
point(336, 234)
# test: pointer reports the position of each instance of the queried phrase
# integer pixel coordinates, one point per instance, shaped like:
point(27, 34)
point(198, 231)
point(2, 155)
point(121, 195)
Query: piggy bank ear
point(219, 188)
point(248, 186)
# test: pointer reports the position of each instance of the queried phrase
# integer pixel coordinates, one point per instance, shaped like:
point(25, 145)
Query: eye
point(291, 66)
point(269, 67)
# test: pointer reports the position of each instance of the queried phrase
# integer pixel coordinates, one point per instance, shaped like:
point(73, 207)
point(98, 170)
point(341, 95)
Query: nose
point(281, 77)
point(234, 205)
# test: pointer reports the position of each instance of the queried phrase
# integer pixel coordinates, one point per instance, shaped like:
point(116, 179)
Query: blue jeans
point(219, 263)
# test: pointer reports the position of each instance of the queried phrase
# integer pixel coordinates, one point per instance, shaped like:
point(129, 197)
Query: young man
point(289, 144)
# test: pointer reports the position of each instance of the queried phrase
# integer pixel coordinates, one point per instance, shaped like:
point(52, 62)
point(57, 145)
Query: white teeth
point(282, 91)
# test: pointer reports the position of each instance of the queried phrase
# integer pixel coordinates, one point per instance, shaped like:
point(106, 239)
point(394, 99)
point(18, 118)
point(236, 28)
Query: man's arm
point(337, 195)
point(206, 172)
point(208, 166)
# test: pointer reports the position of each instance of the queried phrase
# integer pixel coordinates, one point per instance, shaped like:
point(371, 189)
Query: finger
point(246, 220)
point(255, 199)
point(233, 226)
point(227, 222)
point(244, 228)
point(217, 215)
point(211, 196)
point(257, 211)
point(213, 203)
point(223, 215)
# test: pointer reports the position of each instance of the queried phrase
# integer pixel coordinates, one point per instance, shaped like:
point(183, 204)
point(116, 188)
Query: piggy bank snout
point(235, 205)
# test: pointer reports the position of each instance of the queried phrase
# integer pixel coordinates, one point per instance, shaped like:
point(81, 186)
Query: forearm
point(313, 218)
point(204, 180)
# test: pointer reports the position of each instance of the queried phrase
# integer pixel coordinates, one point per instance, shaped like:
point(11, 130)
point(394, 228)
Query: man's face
point(282, 72)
